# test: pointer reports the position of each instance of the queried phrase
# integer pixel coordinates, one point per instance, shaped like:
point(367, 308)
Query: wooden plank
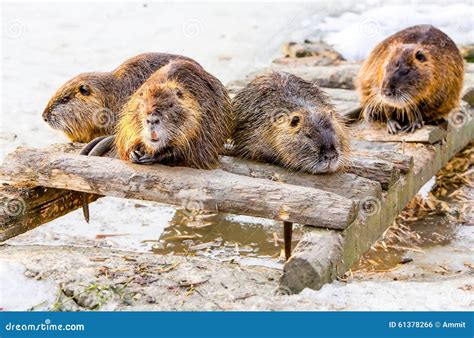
point(384, 172)
point(340, 76)
point(24, 208)
point(344, 184)
point(311, 267)
point(215, 190)
point(313, 262)
point(378, 133)
point(402, 162)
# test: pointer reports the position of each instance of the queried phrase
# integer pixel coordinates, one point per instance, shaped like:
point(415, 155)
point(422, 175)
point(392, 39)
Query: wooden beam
point(24, 208)
point(345, 184)
point(215, 190)
point(287, 237)
point(340, 76)
point(378, 132)
point(384, 172)
point(403, 162)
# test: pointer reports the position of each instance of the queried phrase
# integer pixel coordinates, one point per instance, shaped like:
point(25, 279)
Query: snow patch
point(20, 293)
point(355, 35)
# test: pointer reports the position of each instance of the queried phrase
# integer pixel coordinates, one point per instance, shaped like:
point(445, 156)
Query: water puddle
point(224, 237)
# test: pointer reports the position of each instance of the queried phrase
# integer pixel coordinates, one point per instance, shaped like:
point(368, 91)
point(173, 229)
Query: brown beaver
point(283, 119)
point(87, 106)
point(180, 115)
point(412, 77)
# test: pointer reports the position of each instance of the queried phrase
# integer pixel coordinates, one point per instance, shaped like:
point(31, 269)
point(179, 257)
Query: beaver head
point(83, 107)
point(311, 140)
point(406, 76)
point(168, 117)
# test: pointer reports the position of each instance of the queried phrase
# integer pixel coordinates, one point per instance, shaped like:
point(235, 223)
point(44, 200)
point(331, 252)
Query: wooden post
point(287, 236)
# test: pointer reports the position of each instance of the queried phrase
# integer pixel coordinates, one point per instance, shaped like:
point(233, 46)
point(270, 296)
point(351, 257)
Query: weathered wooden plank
point(403, 162)
point(378, 133)
point(215, 190)
point(314, 261)
point(24, 208)
point(340, 76)
point(374, 169)
point(345, 184)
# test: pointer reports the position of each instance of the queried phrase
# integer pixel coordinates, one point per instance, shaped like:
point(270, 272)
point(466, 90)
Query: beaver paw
point(393, 127)
point(138, 157)
point(411, 127)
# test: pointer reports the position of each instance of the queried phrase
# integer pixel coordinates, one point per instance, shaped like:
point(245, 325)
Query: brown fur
point(421, 68)
point(85, 117)
point(283, 119)
point(196, 123)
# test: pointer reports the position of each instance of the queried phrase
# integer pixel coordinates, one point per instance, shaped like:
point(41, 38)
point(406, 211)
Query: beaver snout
point(153, 120)
point(46, 114)
point(389, 91)
point(330, 156)
point(328, 152)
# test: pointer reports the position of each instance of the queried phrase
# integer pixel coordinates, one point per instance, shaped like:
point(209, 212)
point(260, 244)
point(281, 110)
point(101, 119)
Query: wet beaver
point(86, 106)
point(412, 77)
point(283, 119)
point(180, 115)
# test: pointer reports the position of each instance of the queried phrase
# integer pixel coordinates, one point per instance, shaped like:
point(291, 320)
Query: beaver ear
point(84, 90)
point(295, 121)
point(179, 93)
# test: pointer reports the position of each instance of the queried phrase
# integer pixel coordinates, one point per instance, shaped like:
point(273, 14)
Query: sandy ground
point(43, 45)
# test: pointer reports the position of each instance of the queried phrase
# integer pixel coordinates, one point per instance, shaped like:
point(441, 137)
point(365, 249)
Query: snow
point(355, 35)
point(114, 223)
point(392, 296)
point(19, 293)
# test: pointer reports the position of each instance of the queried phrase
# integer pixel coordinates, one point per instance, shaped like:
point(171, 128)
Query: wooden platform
point(345, 213)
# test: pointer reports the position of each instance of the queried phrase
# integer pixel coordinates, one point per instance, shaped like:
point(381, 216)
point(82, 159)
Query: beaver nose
point(329, 153)
point(330, 156)
point(153, 120)
point(45, 115)
point(389, 91)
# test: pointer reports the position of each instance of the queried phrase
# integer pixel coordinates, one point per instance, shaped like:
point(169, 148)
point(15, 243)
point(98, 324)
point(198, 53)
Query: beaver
point(181, 115)
point(86, 106)
point(283, 119)
point(413, 77)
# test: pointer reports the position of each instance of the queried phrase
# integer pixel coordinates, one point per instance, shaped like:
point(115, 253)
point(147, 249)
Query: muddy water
point(222, 236)
point(432, 230)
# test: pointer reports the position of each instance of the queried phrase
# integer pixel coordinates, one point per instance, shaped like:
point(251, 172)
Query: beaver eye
point(295, 120)
point(420, 56)
point(171, 105)
point(84, 90)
